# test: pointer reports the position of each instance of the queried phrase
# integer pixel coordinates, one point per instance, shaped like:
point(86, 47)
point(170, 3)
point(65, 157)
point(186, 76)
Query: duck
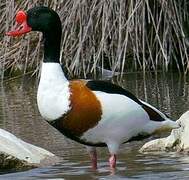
point(94, 113)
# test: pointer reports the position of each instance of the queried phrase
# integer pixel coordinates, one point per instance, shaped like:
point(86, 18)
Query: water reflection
point(19, 115)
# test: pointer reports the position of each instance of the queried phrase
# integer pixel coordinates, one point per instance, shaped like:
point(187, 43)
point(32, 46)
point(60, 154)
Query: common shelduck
point(93, 113)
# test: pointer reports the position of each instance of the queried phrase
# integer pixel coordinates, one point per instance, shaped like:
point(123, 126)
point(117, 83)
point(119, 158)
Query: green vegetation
point(133, 35)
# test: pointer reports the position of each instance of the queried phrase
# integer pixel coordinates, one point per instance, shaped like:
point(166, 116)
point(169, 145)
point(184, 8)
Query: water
point(19, 115)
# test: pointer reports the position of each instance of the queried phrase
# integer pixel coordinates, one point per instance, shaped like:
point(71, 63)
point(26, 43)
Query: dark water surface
point(19, 115)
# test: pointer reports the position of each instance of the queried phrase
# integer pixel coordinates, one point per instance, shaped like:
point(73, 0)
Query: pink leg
point(112, 161)
point(93, 156)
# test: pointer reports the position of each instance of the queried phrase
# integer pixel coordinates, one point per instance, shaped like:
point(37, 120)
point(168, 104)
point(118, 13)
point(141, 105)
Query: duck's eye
point(35, 15)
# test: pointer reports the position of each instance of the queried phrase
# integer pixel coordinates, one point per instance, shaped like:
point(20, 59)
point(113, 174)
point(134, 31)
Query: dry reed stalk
point(121, 35)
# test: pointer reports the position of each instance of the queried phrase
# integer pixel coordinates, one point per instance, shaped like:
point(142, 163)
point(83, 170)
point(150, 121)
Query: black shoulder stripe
point(108, 87)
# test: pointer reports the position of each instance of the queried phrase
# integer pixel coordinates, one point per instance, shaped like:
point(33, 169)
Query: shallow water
point(19, 115)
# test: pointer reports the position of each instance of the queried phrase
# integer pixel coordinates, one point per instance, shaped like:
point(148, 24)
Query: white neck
point(52, 72)
point(53, 92)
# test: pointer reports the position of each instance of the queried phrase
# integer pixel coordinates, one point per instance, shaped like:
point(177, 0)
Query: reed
point(133, 35)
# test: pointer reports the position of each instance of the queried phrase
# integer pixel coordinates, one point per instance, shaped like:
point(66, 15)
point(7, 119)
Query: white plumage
point(122, 119)
point(53, 92)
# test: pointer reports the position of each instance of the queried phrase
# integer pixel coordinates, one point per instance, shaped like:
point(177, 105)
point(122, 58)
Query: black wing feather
point(108, 87)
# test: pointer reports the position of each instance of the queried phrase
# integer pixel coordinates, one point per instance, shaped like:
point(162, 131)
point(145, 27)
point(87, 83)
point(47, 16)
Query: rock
point(178, 140)
point(15, 153)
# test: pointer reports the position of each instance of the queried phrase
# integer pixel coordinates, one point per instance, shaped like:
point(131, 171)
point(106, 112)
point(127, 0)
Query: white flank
point(122, 119)
point(53, 92)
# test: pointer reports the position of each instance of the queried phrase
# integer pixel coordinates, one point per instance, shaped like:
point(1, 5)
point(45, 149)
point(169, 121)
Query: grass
point(124, 36)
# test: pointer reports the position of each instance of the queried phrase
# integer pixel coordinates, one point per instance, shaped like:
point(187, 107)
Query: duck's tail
point(158, 121)
point(168, 125)
point(154, 127)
